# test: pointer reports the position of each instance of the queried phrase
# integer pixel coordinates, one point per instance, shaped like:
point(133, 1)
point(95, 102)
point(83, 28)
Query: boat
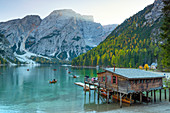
point(51, 82)
point(83, 85)
point(103, 94)
point(124, 99)
point(69, 72)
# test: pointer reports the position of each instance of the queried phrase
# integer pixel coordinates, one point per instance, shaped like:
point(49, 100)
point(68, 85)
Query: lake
point(23, 90)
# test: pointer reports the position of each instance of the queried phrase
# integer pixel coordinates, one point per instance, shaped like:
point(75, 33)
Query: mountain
point(6, 54)
point(63, 34)
point(135, 42)
point(108, 29)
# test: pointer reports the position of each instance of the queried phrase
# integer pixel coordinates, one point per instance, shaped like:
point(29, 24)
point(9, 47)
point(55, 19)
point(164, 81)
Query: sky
point(103, 11)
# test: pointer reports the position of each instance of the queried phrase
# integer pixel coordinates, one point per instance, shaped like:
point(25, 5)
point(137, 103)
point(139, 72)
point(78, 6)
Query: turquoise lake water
point(23, 91)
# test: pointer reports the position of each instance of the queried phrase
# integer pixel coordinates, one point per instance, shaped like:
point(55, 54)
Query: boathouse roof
point(134, 73)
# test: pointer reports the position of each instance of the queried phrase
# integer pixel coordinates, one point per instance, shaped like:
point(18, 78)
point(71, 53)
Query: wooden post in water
point(85, 85)
point(165, 93)
point(89, 91)
point(120, 100)
point(154, 96)
point(140, 97)
point(98, 90)
point(169, 94)
point(108, 96)
point(117, 96)
point(130, 99)
point(151, 92)
point(160, 94)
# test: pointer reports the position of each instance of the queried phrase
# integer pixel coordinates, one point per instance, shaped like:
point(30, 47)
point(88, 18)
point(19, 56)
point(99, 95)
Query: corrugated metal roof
point(134, 73)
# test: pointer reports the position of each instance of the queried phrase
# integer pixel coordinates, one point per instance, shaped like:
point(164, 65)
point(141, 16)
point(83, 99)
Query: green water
point(23, 91)
point(30, 91)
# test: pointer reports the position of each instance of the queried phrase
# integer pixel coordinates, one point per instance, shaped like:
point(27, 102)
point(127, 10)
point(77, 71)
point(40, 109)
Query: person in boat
point(54, 80)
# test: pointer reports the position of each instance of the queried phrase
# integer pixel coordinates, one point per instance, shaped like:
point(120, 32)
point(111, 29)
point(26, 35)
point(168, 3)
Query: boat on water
point(53, 81)
point(83, 85)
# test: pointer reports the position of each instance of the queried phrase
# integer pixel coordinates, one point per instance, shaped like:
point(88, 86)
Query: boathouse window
point(114, 79)
point(145, 81)
point(153, 80)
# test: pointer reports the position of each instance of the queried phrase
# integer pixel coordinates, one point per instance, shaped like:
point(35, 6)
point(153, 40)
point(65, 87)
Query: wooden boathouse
point(131, 83)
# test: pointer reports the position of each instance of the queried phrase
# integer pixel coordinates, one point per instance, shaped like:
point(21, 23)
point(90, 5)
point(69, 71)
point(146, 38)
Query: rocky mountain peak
point(69, 13)
point(155, 13)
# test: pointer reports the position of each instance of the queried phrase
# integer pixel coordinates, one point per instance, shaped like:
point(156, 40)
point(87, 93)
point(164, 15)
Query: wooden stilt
point(117, 96)
point(108, 96)
point(151, 92)
point(130, 99)
point(120, 100)
point(134, 97)
point(165, 93)
point(84, 87)
point(147, 94)
point(160, 94)
point(98, 91)
point(169, 94)
point(154, 96)
point(89, 90)
point(140, 97)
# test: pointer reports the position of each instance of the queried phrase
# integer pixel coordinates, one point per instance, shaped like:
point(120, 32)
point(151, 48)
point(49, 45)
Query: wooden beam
point(165, 93)
point(120, 100)
point(160, 94)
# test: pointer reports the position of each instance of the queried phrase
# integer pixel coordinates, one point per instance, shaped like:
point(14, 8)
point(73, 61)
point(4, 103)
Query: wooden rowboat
point(51, 82)
point(124, 99)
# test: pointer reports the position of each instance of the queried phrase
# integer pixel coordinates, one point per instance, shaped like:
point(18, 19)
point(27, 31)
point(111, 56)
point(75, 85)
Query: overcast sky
point(103, 11)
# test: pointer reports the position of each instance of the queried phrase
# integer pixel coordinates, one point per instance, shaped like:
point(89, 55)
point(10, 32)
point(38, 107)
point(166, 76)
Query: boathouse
point(129, 80)
point(128, 85)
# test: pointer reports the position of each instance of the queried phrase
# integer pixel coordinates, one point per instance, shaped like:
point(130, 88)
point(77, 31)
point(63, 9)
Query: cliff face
point(64, 34)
